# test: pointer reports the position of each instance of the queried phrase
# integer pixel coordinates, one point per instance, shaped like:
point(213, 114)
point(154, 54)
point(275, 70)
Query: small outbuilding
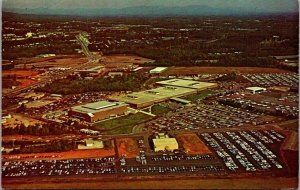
point(255, 90)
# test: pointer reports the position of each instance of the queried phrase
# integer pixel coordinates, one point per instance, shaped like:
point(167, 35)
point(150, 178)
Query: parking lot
point(104, 165)
point(283, 106)
point(181, 169)
point(205, 116)
point(266, 80)
point(246, 150)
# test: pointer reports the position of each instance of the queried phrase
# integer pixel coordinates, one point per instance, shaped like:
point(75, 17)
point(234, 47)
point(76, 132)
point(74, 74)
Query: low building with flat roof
point(255, 90)
point(187, 84)
point(158, 70)
point(98, 111)
point(149, 97)
point(163, 142)
point(91, 144)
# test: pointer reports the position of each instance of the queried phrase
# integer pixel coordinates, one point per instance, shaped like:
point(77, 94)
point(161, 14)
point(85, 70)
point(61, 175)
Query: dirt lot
point(19, 73)
point(73, 154)
point(56, 61)
point(192, 144)
point(124, 60)
point(117, 60)
point(26, 82)
point(219, 70)
point(128, 146)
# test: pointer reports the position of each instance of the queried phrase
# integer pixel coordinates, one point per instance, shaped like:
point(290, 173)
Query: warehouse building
point(158, 70)
point(149, 97)
point(192, 84)
point(91, 144)
point(163, 142)
point(98, 111)
point(255, 90)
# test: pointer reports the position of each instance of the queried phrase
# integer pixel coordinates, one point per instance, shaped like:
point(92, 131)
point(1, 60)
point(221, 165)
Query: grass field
point(159, 109)
point(200, 95)
point(121, 125)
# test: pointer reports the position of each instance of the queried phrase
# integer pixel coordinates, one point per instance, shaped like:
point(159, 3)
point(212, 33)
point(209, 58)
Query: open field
point(128, 146)
point(124, 60)
point(95, 183)
point(94, 153)
point(159, 109)
point(200, 95)
point(219, 70)
point(192, 144)
point(131, 119)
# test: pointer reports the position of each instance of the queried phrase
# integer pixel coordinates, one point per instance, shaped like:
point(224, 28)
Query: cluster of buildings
point(168, 89)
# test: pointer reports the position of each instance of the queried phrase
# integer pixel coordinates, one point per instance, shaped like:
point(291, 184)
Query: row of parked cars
point(165, 169)
point(263, 149)
point(205, 116)
point(104, 165)
point(239, 155)
point(243, 148)
point(227, 159)
point(263, 106)
point(166, 157)
point(283, 79)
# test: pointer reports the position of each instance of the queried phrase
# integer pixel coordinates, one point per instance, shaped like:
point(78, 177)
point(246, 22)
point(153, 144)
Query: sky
point(267, 5)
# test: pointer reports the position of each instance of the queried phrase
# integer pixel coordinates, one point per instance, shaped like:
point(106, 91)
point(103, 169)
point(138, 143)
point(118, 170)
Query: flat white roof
point(97, 106)
point(158, 69)
point(187, 83)
point(255, 88)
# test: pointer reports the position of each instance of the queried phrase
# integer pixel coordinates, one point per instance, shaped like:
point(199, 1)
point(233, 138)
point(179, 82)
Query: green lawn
point(199, 95)
point(120, 130)
point(159, 109)
point(121, 125)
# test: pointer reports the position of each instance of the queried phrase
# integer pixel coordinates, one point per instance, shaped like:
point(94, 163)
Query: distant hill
point(146, 11)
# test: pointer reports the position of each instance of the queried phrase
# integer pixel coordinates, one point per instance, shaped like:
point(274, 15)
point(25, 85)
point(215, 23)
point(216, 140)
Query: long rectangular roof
point(97, 106)
point(187, 83)
point(156, 94)
point(158, 69)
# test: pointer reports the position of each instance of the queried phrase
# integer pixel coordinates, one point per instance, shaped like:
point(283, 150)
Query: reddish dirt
point(192, 144)
point(219, 70)
point(120, 60)
point(128, 146)
point(26, 82)
point(19, 73)
point(73, 154)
